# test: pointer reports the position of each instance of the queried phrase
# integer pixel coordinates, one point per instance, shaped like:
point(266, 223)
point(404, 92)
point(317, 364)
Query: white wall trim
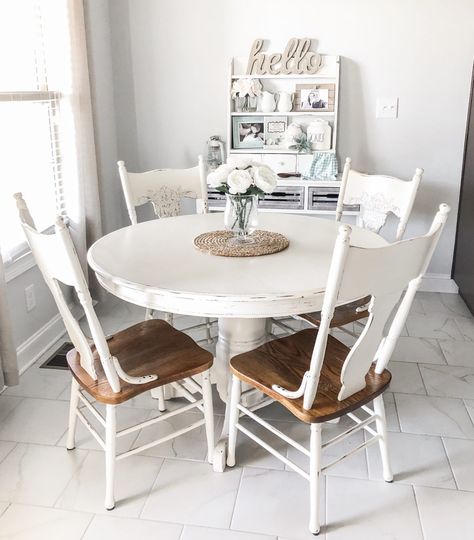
point(438, 283)
point(37, 344)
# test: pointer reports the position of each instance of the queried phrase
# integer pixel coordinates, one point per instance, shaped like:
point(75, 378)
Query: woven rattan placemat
point(223, 243)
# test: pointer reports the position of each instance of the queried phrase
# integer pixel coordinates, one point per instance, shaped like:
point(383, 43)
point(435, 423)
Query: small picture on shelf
point(275, 127)
point(315, 97)
point(248, 131)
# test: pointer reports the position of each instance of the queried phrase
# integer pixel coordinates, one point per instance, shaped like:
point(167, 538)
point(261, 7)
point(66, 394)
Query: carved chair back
point(164, 189)
point(383, 273)
point(58, 262)
point(377, 196)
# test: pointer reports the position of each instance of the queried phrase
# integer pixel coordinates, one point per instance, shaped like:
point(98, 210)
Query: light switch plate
point(387, 108)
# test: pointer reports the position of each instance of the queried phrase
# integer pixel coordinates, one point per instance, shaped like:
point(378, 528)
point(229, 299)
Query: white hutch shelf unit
point(293, 194)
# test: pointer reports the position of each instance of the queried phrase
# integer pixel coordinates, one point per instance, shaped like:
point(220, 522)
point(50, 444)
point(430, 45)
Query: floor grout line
point(88, 526)
point(147, 496)
point(236, 496)
point(422, 379)
point(449, 463)
point(418, 512)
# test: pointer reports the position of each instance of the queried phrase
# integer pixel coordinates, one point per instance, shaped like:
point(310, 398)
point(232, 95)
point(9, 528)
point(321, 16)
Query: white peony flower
point(219, 176)
point(246, 87)
point(265, 179)
point(239, 181)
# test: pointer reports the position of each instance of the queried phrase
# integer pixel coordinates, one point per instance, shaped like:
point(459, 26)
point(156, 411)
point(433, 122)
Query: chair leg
point(314, 475)
point(110, 442)
point(74, 402)
point(208, 330)
point(159, 393)
point(169, 318)
point(149, 314)
point(233, 419)
point(381, 424)
point(208, 414)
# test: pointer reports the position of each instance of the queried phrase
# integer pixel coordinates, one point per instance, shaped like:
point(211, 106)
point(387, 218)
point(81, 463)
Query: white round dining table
point(155, 265)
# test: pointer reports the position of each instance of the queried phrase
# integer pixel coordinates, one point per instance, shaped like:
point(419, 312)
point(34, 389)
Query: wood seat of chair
point(284, 361)
point(151, 347)
point(343, 315)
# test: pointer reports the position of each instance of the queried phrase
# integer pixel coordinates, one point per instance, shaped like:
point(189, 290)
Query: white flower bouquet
point(242, 182)
point(244, 177)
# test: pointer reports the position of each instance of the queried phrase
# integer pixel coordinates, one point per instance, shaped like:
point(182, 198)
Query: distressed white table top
point(155, 264)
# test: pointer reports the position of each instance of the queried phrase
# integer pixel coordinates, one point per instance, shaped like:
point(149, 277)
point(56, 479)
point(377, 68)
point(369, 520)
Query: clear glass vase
point(241, 216)
point(245, 104)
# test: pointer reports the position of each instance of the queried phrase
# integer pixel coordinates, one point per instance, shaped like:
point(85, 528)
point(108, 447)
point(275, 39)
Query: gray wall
point(159, 86)
point(170, 65)
point(25, 324)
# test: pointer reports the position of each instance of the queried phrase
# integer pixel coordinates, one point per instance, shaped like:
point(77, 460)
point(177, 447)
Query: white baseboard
point(37, 344)
point(438, 283)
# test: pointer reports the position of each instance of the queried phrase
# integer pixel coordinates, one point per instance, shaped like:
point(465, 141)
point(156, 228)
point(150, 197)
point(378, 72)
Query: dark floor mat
point(58, 359)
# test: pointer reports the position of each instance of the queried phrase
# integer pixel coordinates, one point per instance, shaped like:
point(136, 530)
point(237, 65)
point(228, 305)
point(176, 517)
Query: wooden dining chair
point(318, 378)
point(115, 369)
point(377, 197)
point(165, 189)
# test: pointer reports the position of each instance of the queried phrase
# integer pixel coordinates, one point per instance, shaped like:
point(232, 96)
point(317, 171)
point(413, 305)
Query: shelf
point(295, 113)
point(291, 76)
point(291, 211)
point(268, 151)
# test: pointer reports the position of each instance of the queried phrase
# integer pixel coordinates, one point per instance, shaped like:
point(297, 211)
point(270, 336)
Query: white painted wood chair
point(165, 189)
point(115, 369)
point(378, 196)
point(316, 377)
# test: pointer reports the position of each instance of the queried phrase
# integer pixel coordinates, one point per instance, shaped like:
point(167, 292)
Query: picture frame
point(275, 127)
point(314, 98)
point(248, 132)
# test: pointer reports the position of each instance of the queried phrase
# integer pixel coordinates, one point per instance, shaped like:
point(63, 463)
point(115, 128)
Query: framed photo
point(315, 97)
point(275, 127)
point(248, 131)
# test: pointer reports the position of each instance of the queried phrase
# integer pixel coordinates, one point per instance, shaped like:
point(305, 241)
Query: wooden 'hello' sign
point(296, 59)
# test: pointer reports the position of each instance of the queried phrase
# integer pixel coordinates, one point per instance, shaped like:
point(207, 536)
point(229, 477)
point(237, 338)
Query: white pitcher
point(267, 102)
point(285, 102)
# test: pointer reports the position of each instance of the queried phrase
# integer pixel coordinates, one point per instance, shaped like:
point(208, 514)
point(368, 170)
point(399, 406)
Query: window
point(32, 57)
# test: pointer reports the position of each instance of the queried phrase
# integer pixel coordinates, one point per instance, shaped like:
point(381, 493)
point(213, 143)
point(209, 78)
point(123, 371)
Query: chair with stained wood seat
point(315, 376)
point(115, 369)
point(165, 189)
point(377, 196)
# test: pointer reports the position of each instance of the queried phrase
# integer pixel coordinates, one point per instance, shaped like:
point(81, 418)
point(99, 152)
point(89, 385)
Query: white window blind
point(31, 132)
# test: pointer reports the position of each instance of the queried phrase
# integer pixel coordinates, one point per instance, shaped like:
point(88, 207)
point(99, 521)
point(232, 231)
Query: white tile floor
point(171, 493)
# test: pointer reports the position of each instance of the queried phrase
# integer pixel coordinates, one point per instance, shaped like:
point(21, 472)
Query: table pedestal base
point(235, 336)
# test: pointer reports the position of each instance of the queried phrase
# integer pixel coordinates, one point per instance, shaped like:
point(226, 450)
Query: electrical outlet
point(30, 298)
point(387, 108)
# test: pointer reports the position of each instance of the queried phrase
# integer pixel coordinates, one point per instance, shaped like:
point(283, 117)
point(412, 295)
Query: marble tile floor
point(171, 493)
